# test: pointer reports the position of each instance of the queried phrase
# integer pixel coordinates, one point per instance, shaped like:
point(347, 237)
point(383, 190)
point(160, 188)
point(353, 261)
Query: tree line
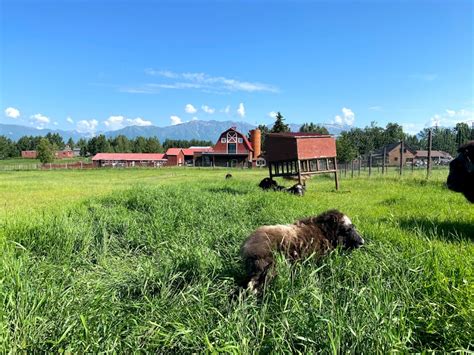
point(350, 144)
point(89, 147)
point(358, 142)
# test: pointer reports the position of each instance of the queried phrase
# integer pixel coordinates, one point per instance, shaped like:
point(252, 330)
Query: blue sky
point(101, 65)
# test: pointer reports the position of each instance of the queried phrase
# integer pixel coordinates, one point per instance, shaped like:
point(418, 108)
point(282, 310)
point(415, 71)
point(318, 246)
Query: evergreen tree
point(153, 145)
point(279, 126)
point(56, 139)
point(7, 148)
point(70, 143)
point(313, 128)
point(462, 132)
point(139, 145)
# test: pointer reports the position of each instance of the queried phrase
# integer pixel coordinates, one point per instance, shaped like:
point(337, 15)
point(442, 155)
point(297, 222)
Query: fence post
point(370, 164)
point(352, 168)
point(383, 160)
point(360, 163)
point(430, 141)
point(401, 157)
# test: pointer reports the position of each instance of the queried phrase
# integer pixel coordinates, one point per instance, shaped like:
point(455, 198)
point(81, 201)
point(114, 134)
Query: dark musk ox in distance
point(228, 176)
point(461, 172)
point(297, 189)
point(270, 184)
point(316, 235)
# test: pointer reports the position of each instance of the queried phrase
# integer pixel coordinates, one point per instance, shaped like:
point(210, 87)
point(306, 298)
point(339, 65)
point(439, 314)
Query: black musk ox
point(297, 189)
point(270, 184)
point(316, 235)
point(461, 172)
point(228, 176)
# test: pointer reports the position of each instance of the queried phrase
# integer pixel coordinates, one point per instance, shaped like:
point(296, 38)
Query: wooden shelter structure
point(301, 154)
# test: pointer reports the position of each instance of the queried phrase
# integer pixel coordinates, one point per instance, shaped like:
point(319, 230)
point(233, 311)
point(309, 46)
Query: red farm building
point(129, 159)
point(232, 149)
point(29, 154)
point(59, 154)
point(175, 157)
point(300, 155)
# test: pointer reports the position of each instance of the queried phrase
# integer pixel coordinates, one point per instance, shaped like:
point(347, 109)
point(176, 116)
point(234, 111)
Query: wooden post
point(430, 141)
point(300, 181)
point(383, 160)
point(401, 157)
point(370, 164)
point(352, 168)
point(336, 180)
point(360, 163)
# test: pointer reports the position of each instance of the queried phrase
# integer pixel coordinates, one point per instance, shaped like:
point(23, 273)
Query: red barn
point(62, 154)
point(29, 154)
point(232, 149)
point(175, 157)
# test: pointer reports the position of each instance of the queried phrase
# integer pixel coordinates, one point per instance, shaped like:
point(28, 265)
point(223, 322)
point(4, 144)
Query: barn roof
point(246, 141)
point(129, 156)
point(192, 150)
point(173, 151)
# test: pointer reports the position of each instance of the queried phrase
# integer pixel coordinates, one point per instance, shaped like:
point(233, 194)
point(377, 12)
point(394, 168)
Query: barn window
point(223, 140)
point(396, 158)
point(232, 148)
point(241, 140)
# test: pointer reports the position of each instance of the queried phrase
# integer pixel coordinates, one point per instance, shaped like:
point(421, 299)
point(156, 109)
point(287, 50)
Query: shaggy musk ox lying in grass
point(313, 235)
point(461, 172)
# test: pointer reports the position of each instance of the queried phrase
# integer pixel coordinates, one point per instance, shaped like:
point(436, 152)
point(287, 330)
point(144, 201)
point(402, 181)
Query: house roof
point(246, 141)
point(392, 146)
point(434, 154)
point(129, 156)
point(173, 151)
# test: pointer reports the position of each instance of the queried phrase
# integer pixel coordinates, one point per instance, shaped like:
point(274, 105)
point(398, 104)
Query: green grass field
point(147, 260)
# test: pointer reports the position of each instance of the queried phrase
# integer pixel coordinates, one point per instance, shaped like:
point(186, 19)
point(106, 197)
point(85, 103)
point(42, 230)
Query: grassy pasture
point(147, 260)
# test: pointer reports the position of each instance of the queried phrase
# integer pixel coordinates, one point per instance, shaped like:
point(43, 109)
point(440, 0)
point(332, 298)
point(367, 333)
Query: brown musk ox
point(316, 235)
point(461, 172)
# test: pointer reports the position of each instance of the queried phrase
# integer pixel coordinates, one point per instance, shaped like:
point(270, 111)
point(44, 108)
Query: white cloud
point(241, 110)
point(450, 118)
point(55, 123)
point(272, 114)
point(138, 122)
point(208, 109)
point(194, 119)
point(117, 122)
point(12, 112)
point(175, 120)
point(205, 82)
point(70, 120)
point(87, 126)
point(451, 113)
point(114, 122)
point(412, 128)
point(190, 109)
point(347, 118)
point(40, 120)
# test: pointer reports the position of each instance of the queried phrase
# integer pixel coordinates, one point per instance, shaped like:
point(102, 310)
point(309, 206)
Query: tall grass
point(155, 267)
